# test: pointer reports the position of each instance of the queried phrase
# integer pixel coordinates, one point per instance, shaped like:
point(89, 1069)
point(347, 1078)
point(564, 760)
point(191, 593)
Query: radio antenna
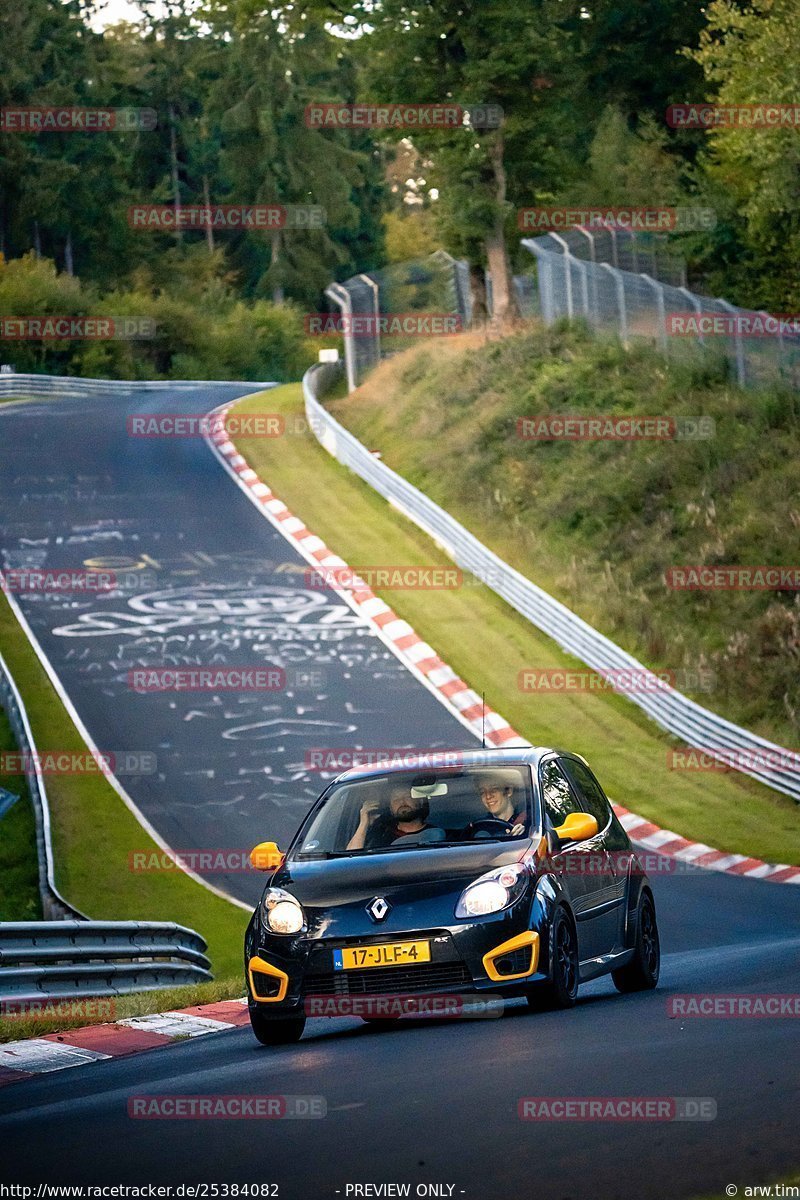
point(483, 720)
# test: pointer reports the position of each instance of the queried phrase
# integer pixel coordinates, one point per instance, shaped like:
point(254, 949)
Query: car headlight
point(492, 892)
point(282, 913)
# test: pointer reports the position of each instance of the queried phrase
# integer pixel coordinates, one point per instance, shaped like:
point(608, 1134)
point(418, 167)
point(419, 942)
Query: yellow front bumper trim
point(260, 966)
point(528, 938)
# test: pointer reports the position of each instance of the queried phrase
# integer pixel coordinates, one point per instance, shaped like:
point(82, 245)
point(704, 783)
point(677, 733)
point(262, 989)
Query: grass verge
point(94, 832)
point(115, 1008)
point(19, 868)
point(487, 643)
point(598, 523)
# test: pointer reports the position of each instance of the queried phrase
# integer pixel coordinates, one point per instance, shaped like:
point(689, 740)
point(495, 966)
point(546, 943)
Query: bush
point(201, 331)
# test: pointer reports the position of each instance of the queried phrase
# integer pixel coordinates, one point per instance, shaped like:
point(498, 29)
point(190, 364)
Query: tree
point(753, 57)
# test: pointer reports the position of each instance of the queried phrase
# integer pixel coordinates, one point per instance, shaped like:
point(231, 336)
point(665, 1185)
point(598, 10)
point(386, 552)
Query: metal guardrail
point(12, 384)
point(680, 716)
point(53, 903)
point(63, 960)
point(72, 956)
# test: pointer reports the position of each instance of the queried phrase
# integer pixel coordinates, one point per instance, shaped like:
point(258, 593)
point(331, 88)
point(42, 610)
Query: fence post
point(737, 338)
point(376, 340)
point(698, 308)
point(567, 276)
point(341, 297)
point(662, 315)
point(623, 312)
point(588, 234)
point(584, 273)
point(614, 255)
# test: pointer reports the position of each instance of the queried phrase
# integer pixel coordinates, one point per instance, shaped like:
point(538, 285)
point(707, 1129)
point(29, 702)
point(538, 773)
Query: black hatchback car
point(494, 871)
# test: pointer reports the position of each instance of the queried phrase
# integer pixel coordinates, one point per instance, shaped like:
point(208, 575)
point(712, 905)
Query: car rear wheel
point(641, 973)
point(276, 1031)
point(561, 990)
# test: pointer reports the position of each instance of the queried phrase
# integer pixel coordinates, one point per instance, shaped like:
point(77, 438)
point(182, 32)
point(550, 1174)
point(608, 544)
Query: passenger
point(409, 814)
point(497, 795)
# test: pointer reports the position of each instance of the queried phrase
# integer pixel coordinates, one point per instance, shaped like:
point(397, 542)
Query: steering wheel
point(490, 827)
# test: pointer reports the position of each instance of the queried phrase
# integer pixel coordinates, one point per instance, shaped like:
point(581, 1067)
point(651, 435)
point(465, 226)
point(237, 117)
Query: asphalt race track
point(424, 1103)
point(206, 582)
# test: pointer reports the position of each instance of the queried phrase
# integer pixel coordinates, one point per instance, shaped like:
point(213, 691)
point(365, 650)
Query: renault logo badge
point(379, 908)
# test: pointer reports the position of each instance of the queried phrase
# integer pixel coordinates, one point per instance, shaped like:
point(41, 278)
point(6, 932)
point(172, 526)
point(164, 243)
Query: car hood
point(330, 883)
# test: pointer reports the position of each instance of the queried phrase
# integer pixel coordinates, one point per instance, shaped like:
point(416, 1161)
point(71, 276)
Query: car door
point(582, 867)
point(610, 900)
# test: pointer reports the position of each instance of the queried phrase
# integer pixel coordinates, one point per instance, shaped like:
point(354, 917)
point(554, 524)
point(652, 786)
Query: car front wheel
point(276, 1031)
point(561, 990)
point(641, 973)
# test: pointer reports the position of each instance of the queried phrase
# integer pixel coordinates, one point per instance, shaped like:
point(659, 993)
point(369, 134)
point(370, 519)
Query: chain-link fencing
point(759, 348)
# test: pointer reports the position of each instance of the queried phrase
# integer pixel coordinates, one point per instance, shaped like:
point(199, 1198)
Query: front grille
point(427, 977)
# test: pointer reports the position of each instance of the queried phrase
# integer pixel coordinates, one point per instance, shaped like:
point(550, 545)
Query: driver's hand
point(369, 811)
point(517, 829)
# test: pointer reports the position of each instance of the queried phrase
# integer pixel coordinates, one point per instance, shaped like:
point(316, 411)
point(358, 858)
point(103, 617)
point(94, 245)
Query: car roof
point(431, 760)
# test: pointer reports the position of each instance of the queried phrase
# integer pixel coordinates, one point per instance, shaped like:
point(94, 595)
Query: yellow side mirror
point(266, 857)
point(578, 827)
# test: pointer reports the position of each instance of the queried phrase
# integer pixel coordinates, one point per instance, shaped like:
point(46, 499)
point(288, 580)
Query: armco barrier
point(60, 385)
point(694, 725)
point(41, 960)
point(53, 903)
point(73, 956)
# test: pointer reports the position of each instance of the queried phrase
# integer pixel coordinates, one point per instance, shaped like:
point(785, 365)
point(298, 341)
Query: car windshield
point(405, 810)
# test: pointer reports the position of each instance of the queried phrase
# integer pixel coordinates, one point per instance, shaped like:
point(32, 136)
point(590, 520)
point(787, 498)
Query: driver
point(409, 814)
point(496, 791)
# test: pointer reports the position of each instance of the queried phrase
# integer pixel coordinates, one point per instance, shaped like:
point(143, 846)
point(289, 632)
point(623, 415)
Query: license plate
point(392, 954)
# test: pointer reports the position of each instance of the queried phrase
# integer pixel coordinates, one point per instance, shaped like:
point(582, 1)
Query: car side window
point(559, 799)
point(589, 791)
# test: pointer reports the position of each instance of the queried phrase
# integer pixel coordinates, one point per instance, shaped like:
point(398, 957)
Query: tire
point(641, 973)
point(561, 990)
point(276, 1031)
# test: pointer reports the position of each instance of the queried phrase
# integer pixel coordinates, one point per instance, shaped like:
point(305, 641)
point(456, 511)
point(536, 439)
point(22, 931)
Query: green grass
point(596, 524)
point(94, 832)
point(487, 644)
point(19, 871)
point(115, 1008)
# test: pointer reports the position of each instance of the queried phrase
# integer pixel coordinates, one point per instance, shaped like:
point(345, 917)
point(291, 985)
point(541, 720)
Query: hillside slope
point(598, 523)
